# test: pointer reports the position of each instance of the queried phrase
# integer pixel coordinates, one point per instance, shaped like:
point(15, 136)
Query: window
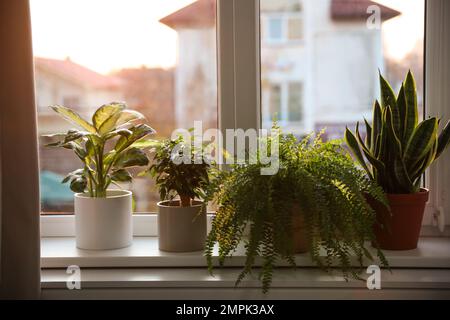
point(319, 72)
point(275, 28)
point(281, 22)
point(159, 56)
point(330, 78)
point(283, 104)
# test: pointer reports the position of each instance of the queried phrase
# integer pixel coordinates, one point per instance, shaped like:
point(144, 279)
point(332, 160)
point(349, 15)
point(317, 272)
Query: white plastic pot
point(181, 229)
point(104, 223)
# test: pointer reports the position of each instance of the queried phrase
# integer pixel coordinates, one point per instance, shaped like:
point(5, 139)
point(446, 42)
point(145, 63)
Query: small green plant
point(398, 148)
point(107, 147)
point(179, 169)
point(317, 180)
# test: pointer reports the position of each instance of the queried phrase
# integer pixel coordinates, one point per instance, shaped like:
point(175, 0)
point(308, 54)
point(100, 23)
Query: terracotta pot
point(181, 229)
point(299, 237)
point(299, 234)
point(402, 226)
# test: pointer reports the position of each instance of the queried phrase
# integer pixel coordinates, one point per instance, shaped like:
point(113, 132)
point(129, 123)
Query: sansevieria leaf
point(402, 109)
point(388, 98)
point(354, 148)
point(73, 117)
point(411, 117)
point(376, 125)
point(421, 141)
point(444, 139)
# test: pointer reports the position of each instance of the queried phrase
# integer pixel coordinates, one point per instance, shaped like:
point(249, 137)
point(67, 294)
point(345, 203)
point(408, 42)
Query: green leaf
point(128, 116)
point(411, 118)
point(73, 174)
point(388, 99)
point(368, 134)
point(376, 125)
point(143, 144)
point(444, 140)
point(421, 141)
point(121, 175)
point(78, 184)
point(138, 133)
point(402, 109)
point(130, 158)
point(73, 117)
point(392, 139)
point(354, 148)
point(105, 118)
point(379, 166)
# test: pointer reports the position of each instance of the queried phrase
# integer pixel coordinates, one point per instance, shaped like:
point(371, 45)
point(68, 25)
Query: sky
point(107, 35)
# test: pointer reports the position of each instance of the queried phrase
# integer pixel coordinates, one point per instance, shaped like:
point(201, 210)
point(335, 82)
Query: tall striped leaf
point(392, 138)
point(354, 148)
point(388, 98)
point(444, 139)
point(378, 165)
point(412, 117)
point(401, 104)
point(376, 125)
point(421, 141)
point(368, 134)
point(73, 117)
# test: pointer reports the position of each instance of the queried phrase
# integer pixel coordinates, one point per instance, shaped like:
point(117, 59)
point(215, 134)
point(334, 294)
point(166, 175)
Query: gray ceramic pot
point(181, 229)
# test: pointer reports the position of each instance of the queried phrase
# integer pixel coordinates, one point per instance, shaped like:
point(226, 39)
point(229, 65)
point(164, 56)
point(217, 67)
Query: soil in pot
point(400, 229)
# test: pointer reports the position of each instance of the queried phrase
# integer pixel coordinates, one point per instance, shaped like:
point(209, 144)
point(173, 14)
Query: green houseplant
point(395, 153)
point(180, 171)
point(107, 147)
point(315, 202)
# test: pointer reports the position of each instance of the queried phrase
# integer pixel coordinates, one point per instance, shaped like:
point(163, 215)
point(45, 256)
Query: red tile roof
point(351, 10)
point(201, 14)
point(75, 72)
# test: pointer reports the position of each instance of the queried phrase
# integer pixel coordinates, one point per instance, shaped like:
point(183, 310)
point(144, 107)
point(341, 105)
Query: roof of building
point(201, 13)
point(353, 10)
point(75, 72)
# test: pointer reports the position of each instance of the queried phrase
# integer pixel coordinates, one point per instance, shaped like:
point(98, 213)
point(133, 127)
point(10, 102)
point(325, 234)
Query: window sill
point(60, 252)
point(143, 272)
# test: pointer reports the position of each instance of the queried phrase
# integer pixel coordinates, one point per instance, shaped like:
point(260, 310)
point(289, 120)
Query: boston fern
point(112, 125)
point(398, 148)
point(179, 169)
point(317, 180)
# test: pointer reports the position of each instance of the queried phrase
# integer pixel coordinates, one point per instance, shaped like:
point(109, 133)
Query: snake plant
point(107, 147)
point(398, 148)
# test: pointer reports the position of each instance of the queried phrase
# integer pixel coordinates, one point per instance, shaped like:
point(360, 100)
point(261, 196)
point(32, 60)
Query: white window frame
point(239, 95)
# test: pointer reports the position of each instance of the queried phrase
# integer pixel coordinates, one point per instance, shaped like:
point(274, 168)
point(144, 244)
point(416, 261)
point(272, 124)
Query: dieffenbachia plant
point(107, 147)
point(398, 148)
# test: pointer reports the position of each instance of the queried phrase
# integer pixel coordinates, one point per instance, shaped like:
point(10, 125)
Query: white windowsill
point(60, 252)
point(143, 272)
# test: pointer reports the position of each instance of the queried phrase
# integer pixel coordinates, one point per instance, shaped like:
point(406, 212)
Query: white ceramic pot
point(181, 229)
point(104, 223)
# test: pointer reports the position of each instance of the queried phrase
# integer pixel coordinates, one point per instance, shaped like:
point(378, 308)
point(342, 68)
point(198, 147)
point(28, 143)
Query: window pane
point(338, 59)
point(159, 56)
point(275, 102)
point(295, 28)
point(275, 28)
point(295, 102)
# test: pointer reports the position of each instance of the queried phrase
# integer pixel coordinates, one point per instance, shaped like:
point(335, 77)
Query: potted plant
point(107, 148)
point(314, 203)
point(398, 149)
point(181, 176)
